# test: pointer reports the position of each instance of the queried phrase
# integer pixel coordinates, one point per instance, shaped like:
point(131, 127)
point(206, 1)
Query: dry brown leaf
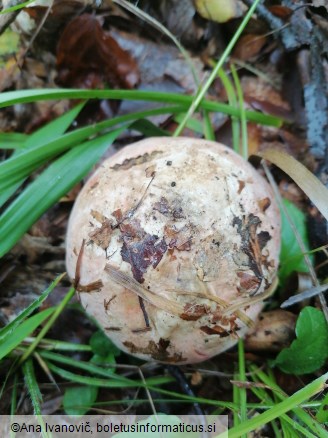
point(254, 135)
point(89, 57)
point(280, 11)
point(249, 46)
point(308, 182)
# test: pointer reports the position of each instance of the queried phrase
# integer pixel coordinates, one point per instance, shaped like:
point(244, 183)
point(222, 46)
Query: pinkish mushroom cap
point(182, 240)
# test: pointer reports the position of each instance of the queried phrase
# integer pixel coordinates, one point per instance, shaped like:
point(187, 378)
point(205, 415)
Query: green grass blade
point(95, 369)
point(54, 129)
point(13, 404)
point(28, 96)
point(55, 345)
point(193, 124)
point(149, 129)
point(242, 377)
point(235, 398)
point(243, 120)
point(208, 129)
point(311, 423)
point(17, 167)
point(34, 393)
point(12, 179)
point(32, 386)
point(49, 187)
point(49, 132)
point(285, 421)
point(232, 99)
point(216, 403)
point(48, 324)
point(12, 140)
point(288, 404)
point(9, 328)
point(16, 7)
point(83, 366)
point(203, 89)
point(25, 329)
point(11, 189)
point(105, 383)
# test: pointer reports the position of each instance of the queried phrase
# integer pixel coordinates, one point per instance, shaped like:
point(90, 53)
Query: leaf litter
point(121, 51)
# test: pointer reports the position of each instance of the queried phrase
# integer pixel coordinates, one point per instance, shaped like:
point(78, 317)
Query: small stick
point(180, 377)
point(144, 312)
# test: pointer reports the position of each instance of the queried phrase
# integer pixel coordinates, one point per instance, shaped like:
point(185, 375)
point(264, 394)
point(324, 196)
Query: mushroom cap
point(176, 231)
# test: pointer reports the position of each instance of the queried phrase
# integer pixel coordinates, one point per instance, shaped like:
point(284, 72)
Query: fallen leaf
point(249, 46)
point(88, 57)
point(308, 182)
point(254, 135)
point(281, 11)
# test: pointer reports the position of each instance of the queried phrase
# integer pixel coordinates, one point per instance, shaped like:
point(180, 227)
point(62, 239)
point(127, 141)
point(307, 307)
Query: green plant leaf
point(102, 345)
point(104, 361)
point(291, 255)
point(54, 129)
point(79, 399)
point(26, 96)
point(48, 133)
point(21, 165)
point(310, 350)
point(49, 187)
point(12, 140)
point(25, 329)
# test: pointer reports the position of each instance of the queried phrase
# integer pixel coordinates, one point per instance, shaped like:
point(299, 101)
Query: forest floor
point(277, 68)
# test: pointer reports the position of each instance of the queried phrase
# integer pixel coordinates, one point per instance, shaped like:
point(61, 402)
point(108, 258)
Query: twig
point(276, 24)
point(184, 384)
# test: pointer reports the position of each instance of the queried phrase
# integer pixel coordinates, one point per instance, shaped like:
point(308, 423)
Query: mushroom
point(177, 243)
point(274, 331)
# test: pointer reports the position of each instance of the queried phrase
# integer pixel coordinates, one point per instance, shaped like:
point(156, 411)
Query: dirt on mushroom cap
point(177, 230)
